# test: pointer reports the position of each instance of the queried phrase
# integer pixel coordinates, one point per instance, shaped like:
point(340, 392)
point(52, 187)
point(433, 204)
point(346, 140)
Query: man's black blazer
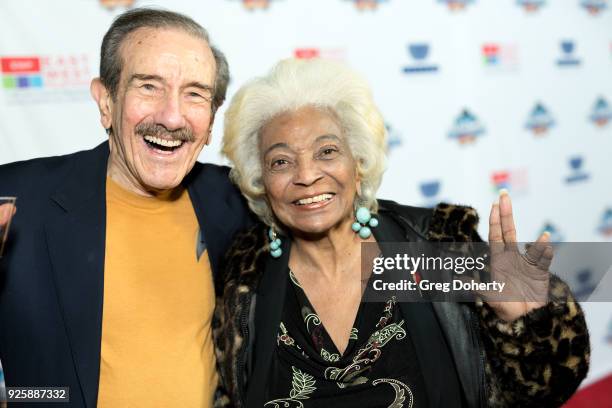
point(52, 273)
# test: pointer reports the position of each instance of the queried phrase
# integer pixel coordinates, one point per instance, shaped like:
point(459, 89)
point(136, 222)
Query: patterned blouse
point(379, 367)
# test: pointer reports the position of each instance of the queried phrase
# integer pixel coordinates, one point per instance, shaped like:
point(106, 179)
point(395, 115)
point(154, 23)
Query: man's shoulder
point(213, 170)
point(42, 170)
point(206, 179)
point(211, 175)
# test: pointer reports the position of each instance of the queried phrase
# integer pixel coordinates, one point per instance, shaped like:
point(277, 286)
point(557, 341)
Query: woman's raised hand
point(526, 274)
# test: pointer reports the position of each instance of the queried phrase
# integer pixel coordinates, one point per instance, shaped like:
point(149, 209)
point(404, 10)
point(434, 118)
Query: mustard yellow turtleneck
point(157, 346)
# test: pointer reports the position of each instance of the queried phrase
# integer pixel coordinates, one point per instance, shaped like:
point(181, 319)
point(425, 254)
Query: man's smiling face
point(162, 113)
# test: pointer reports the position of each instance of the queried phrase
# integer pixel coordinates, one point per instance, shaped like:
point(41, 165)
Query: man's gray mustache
point(151, 129)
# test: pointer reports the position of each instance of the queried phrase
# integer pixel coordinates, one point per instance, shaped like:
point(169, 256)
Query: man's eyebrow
point(151, 77)
point(145, 77)
point(199, 85)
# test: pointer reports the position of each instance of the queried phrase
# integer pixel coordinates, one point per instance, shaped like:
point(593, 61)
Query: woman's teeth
point(163, 142)
point(319, 198)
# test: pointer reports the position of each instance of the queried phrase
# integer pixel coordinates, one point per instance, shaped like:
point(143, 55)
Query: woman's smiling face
point(309, 173)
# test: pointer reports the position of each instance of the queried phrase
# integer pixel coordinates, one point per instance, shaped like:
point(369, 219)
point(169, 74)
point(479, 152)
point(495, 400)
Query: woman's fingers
point(507, 220)
point(496, 239)
point(534, 250)
point(540, 253)
point(546, 258)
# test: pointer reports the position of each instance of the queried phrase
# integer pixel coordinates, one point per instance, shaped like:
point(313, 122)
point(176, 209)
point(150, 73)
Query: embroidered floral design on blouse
point(331, 357)
point(387, 312)
point(284, 336)
point(400, 392)
point(310, 318)
point(369, 353)
point(351, 375)
point(366, 355)
point(302, 386)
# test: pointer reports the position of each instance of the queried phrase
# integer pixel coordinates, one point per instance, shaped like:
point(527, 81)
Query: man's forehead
point(158, 36)
point(149, 48)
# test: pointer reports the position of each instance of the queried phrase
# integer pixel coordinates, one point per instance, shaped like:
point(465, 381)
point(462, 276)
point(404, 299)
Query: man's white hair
point(291, 85)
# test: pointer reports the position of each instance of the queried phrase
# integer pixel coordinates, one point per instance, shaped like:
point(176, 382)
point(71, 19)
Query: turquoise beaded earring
point(364, 223)
point(275, 243)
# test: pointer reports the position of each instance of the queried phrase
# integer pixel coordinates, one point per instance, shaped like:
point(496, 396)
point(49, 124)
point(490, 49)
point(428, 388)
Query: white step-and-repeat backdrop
point(478, 95)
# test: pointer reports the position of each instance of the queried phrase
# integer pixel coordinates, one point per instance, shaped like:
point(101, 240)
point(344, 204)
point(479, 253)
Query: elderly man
point(106, 285)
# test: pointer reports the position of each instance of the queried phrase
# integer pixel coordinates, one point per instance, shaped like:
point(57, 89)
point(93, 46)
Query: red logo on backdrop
point(367, 4)
point(500, 56)
point(501, 179)
point(45, 78)
point(307, 53)
point(456, 5)
point(20, 65)
point(66, 70)
point(314, 52)
point(490, 51)
point(111, 4)
point(514, 180)
point(256, 4)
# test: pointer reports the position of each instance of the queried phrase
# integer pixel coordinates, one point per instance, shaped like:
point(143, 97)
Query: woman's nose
point(307, 173)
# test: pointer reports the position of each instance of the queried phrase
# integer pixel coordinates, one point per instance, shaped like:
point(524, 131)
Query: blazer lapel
point(76, 232)
point(218, 221)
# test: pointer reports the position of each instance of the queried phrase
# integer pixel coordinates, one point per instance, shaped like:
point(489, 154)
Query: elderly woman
point(308, 148)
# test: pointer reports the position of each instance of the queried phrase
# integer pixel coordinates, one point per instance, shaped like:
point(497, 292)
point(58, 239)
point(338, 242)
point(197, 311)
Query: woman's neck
point(332, 256)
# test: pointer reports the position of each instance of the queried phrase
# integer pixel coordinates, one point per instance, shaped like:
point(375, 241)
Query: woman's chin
point(315, 230)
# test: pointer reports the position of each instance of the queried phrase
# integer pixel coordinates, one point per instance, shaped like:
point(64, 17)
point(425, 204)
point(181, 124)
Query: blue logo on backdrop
point(584, 284)
point(363, 5)
point(601, 113)
point(539, 120)
point(577, 174)
point(466, 128)
point(394, 138)
point(555, 234)
point(456, 5)
point(568, 59)
point(419, 53)
point(531, 5)
point(430, 191)
point(605, 226)
point(594, 7)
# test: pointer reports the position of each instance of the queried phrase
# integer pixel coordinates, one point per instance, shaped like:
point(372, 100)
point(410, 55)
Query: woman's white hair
point(291, 85)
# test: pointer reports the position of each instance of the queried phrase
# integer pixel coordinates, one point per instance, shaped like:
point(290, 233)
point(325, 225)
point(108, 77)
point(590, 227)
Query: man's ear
point(104, 101)
point(210, 128)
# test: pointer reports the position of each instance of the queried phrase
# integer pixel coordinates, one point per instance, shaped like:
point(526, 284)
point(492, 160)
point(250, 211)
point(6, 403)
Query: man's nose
point(170, 113)
point(307, 173)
